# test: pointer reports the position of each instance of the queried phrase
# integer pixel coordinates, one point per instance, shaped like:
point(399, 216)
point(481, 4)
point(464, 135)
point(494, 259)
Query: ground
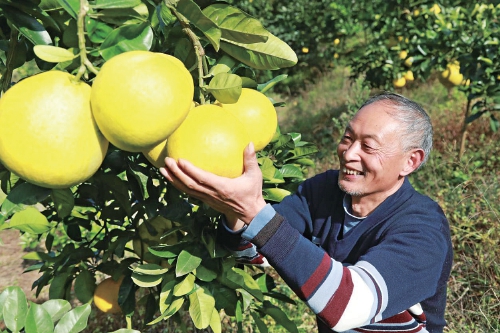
point(12, 266)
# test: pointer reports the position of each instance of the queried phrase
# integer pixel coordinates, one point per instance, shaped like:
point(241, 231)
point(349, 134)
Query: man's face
point(371, 155)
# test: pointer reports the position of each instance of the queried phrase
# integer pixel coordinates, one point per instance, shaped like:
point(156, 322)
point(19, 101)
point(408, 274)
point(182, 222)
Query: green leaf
point(186, 263)
point(38, 320)
point(51, 53)
point(224, 65)
point(59, 286)
point(48, 5)
point(101, 4)
point(71, 6)
point(215, 322)
point(205, 274)
point(125, 330)
point(249, 284)
point(166, 251)
point(85, 286)
point(63, 201)
point(291, 171)
point(146, 281)
point(3, 295)
point(96, 30)
point(226, 88)
point(165, 15)
point(279, 316)
point(15, 308)
point(260, 324)
point(273, 54)
point(150, 269)
point(125, 16)
point(74, 321)
point(275, 194)
point(201, 307)
point(263, 87)
point(119, 189)
point(31, 221)
point(127, 38)
point(28, 26)
point(267, 167)
point(166, 295)
point(56, 308)
point(24, 194)
point(185, 286)
point(195, 16)
point(266, 283)
point(236, 25)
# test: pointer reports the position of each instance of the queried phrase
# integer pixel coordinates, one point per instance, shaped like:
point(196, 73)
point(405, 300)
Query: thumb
point(250, 159)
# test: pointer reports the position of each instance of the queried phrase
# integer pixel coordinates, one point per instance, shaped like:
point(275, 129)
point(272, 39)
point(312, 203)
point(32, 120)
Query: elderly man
point(359, 245)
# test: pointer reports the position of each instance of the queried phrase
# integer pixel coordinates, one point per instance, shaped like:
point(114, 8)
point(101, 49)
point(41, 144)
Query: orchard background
point(327, 57)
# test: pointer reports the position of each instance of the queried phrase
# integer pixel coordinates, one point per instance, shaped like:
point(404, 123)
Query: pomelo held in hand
point(258, 115)
point(211, 138)
point(139, 98)
point(47, 133)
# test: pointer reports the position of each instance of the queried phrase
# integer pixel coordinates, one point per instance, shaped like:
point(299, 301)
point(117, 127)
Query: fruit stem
point(198, 48)
point(80, 24)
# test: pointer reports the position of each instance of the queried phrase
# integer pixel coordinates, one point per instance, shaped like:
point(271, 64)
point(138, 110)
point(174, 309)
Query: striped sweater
point(388, 274)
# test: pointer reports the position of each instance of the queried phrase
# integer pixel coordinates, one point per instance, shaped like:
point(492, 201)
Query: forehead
point(374, 120)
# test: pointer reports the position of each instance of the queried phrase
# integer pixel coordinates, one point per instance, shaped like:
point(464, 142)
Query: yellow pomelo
point(47, 133)
point(435, 9)
point(139, 98)
point(451, 76)
point(106, 295)
point(336, 41)
point(408, 62)
point(157, 154)
point(403, 54)
point(211, 138)
point(145, 239)
point(256, 112)
point(409, 76)
point(399, 83)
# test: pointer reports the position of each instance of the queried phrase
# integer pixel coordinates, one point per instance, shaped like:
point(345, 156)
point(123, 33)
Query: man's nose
point(352, 152)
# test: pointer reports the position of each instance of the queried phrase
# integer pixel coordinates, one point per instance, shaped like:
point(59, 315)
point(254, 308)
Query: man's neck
point(364, 205)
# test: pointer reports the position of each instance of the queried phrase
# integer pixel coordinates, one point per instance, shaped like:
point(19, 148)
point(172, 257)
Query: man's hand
point(238, 198)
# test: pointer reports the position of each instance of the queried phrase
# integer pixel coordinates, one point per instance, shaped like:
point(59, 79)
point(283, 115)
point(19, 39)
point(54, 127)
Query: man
point(359, 245)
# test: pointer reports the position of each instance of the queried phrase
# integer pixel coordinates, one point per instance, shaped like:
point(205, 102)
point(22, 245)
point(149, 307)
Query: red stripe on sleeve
point(316, 278)
point(335, 308)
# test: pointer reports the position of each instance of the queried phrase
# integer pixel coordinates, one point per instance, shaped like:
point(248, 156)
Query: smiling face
point(372, 161)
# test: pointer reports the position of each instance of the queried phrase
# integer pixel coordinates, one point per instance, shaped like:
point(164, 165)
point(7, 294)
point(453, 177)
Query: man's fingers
point(250, 160)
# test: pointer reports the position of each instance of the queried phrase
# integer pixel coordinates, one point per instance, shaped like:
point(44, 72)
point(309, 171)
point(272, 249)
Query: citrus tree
point(457, 41)
point(82, 142)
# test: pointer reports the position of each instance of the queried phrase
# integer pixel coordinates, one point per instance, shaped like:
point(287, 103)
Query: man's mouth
point(352, 172)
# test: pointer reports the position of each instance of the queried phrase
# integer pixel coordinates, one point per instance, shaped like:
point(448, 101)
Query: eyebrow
point(366, 136)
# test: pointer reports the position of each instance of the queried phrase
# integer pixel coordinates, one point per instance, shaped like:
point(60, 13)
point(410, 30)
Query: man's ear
point(414, 158)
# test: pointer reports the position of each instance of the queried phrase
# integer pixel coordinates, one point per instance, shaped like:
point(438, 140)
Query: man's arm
point(399, 272)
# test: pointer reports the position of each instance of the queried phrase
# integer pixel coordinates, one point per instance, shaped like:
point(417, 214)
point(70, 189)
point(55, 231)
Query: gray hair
point(417, 126)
